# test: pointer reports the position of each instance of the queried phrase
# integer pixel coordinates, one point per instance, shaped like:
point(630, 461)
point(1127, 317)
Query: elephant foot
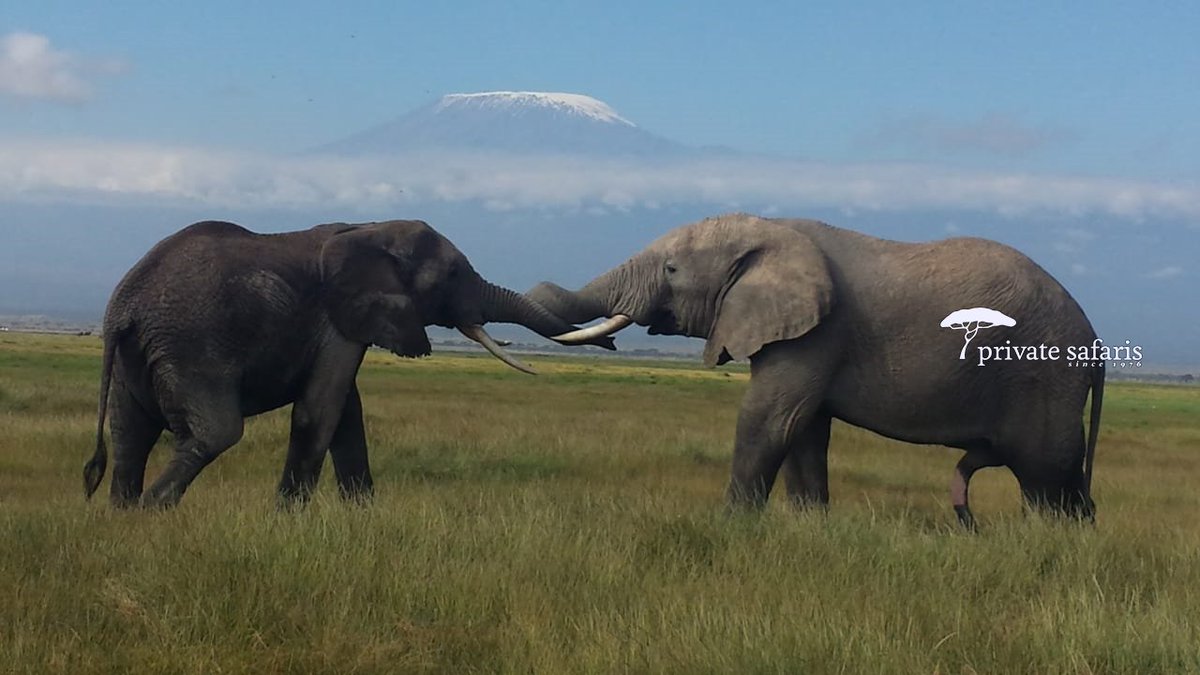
point(161, 500)
point(125, 501)
point(965, 517)
point(292, 501)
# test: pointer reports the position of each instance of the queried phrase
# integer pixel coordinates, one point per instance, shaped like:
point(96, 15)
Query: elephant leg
point(1055, 491)
point(306, 454)
point(1047, 458)
point(966, 467)
point(316, 415)
point(209, 426)
point(806, 466)
point(1051, 477)
point(348, 450)
point(787, 384)
point(134, 433)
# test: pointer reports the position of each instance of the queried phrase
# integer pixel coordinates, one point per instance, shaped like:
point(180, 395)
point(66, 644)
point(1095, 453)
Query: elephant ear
point(366, 293)
point(779, 289)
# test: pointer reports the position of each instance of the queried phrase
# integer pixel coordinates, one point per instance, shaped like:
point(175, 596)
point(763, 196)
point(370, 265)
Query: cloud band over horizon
point(94, 171)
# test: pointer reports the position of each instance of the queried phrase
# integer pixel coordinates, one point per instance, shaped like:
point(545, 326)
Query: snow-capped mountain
point(524, 122)
point(521, 102)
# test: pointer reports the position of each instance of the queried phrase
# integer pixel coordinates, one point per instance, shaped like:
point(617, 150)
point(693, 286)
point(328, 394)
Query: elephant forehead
point(420, 241)
point(732, 231)
point(688, 237)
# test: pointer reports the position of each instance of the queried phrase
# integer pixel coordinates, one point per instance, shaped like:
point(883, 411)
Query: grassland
point(572, 523)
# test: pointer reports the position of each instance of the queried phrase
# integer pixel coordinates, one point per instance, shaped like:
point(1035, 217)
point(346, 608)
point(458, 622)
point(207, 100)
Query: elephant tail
point(1093, 426)
point(93, 471)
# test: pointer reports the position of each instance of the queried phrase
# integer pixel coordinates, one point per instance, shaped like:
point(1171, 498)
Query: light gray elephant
point(217, 323)
point(838, 324)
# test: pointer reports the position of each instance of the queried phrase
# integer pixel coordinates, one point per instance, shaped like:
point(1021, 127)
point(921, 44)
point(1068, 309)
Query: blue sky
point(1096, 88)
point(1069, 130)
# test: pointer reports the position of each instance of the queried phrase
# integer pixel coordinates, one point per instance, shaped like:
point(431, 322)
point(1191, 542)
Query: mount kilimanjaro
point(521, 122)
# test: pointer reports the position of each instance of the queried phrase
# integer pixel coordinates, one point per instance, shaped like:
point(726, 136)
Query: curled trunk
point(622, 290)
point(506, 306)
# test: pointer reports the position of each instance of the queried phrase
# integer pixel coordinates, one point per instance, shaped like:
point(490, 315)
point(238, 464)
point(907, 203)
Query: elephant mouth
point(662, 322)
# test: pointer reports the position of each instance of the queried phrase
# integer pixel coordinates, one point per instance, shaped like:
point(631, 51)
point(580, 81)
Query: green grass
point(573, 523)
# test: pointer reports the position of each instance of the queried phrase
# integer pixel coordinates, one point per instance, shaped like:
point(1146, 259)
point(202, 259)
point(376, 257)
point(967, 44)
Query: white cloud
point(1078, 269)
point(31, 68)
point(1168, 272)
point(90, 171)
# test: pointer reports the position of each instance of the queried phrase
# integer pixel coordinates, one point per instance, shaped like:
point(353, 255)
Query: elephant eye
point(670, 268)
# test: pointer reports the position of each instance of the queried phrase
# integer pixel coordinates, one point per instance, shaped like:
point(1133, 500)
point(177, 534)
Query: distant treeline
point(552, 348)
point(1160, 378)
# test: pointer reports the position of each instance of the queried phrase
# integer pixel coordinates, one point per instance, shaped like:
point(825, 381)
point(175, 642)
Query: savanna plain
point(574, 523)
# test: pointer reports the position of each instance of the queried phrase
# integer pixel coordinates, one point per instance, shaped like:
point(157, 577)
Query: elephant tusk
point(604, 329)
point(478, 334)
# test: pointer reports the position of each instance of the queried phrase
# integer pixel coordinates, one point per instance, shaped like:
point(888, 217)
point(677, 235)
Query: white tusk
point(604, 329)
point(478, 334)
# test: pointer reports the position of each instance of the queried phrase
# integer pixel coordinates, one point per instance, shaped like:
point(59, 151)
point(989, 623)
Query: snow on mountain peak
point(511, 122)
point(576, 104)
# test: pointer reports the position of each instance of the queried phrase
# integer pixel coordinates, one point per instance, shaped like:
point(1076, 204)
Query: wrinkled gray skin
point(837, 324)
point(217, 323)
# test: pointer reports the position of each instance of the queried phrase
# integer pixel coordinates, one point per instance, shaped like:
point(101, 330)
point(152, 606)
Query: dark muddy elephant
point(217, 323)
point(838, 324)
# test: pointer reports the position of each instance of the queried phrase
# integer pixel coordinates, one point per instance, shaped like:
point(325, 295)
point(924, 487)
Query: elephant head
point(738, 281)
point(385, 282)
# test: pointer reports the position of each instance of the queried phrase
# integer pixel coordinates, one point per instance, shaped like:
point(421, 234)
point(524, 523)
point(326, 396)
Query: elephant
point(217, 323)
point(839, 324)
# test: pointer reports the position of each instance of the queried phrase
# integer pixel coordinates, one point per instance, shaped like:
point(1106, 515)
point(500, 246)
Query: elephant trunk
point(625, 289)
point(572, 306)
point(618, 293)
point(506, 306)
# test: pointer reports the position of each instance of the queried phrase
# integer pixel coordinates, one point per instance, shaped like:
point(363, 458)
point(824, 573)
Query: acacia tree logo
point(971, 320)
